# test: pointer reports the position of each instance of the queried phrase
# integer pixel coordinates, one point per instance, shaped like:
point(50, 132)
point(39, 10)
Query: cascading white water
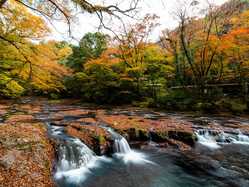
point(74, 157)
point(122, 149)
point(205, 138)
point(73, 154)
point(243, 138)
point(121, 146)
point(214, 139)
point(120, 143)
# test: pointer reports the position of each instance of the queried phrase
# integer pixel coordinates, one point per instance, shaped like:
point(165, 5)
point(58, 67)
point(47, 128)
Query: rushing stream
point(76, 162)
point(214, 139)
point(74, 159)
point(220, 158)
point(120, 143)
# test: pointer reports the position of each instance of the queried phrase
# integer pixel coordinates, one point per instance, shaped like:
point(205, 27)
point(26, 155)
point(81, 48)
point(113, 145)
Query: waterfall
point(205, 138)
point(214, 139)
point(74, 157)
point(242, 138)
point(120, 143)
point(73, 154)
point(121, 146)
point(123, 151)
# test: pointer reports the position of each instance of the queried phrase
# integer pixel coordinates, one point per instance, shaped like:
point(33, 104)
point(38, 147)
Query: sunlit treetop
point(18, 21)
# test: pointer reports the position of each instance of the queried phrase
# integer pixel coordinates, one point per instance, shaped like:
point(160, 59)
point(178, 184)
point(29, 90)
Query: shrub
point(236, 106)
point(204, 106)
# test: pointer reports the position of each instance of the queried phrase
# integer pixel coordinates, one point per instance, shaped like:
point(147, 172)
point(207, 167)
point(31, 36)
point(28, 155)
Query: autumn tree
point(157, 69)
point(90, 47)
point(97, 82)
point(16, 31)
point(47, 72)
point(235, 48)
point(25, 65)
point(170, 42)
point(200, 39)
point(20, 24)
point(132, 42)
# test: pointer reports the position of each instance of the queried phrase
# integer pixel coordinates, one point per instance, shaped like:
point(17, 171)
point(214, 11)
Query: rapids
point(219, 158)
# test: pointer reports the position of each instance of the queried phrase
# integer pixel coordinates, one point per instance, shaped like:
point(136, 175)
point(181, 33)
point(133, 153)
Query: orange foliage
point(109, 57)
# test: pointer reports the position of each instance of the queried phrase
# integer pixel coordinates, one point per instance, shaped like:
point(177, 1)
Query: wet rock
point(143, 135)
point(58, 123)
point(71, 115)
point(3, 110)
point(139, 129)
point(184, 136)
point(135, 134)
point(93, 136)
point(197, 164)
point(30, 108)
point(132, 134)
point(159, 137)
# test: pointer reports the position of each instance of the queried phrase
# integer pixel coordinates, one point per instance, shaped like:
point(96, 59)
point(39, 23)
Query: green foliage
point(91, 46)
point(135, 72)
point(54, 96)
point(75, 83)
point(177, 100)
point(179, 95)
point(237, 106)
point(76, 59)
point(147, 103)
point(205, 107)
point(101, 139)
point(99, 84)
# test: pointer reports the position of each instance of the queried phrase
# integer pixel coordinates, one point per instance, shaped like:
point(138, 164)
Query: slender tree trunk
point(138, 86)
point(154, 91)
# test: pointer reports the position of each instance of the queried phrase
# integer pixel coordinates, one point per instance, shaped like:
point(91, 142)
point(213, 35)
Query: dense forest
point(200, 65)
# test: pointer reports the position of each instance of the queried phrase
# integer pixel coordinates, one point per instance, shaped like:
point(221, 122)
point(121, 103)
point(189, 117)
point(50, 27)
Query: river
point(219, 157)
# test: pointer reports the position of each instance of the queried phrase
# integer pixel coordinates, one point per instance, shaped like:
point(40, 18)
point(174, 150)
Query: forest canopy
point(188, 66)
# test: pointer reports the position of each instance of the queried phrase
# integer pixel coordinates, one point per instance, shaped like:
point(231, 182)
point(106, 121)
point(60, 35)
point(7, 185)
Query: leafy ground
point(26, 155)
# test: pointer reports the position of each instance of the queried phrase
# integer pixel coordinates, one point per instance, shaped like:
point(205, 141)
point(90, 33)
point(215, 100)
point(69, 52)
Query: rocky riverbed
point(42, 142)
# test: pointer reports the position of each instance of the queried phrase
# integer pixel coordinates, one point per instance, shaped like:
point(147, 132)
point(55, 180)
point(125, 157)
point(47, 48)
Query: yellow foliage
point(45, 71)
point(20, 22)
